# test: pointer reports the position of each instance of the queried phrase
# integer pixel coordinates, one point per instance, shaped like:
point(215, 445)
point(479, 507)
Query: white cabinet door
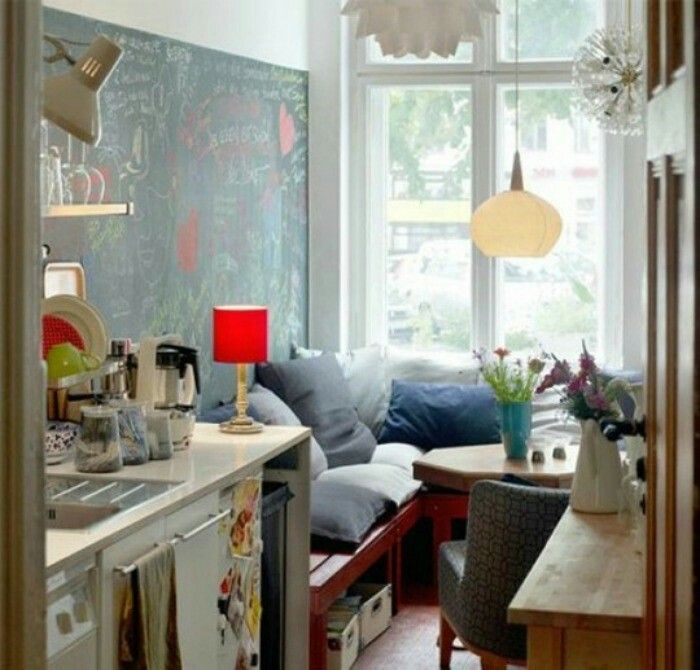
point(197, 563)
point(113, 585)
point(239, 575)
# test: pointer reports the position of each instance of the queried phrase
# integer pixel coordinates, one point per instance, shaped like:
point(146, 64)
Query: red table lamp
point(240, 336)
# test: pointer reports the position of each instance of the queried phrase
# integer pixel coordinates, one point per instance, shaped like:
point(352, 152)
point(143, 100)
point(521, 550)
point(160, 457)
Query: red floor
point(411, 644)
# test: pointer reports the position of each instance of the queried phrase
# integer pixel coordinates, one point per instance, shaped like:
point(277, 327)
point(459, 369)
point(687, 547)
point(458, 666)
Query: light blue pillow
point(441, 415)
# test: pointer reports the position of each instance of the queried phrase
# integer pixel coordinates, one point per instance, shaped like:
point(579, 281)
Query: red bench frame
point(331, 574)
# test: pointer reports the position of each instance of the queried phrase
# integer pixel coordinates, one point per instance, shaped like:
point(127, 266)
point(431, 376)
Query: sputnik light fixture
point(516, 222)
point(608, 77)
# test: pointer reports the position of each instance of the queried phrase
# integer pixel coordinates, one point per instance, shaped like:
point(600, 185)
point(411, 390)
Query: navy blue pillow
point(440, 415)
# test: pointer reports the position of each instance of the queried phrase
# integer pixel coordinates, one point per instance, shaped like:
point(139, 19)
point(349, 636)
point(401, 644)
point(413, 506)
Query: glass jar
point(131, 416)
point(99, 448)
point(160, 438)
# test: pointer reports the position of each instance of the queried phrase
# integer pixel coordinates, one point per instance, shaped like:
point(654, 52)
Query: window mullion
point(482, 187)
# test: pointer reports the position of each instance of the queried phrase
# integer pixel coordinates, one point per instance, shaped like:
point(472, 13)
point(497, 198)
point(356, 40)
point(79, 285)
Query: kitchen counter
point(213, 461)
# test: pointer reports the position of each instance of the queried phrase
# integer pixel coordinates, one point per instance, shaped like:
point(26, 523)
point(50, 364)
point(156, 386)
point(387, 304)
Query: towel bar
point(181, 537)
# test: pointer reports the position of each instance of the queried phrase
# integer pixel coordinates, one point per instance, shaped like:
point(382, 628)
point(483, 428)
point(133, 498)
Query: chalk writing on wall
point(212, 149)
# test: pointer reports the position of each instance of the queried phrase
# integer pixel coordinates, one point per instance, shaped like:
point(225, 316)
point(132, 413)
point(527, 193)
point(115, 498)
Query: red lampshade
point(240, 334)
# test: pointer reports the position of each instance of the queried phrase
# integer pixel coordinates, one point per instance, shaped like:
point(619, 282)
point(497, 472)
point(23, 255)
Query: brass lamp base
point(236, 426)
point(241, 424)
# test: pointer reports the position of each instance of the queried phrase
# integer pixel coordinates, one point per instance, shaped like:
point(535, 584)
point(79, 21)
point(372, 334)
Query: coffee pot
point(164, 375)
point(175, 385)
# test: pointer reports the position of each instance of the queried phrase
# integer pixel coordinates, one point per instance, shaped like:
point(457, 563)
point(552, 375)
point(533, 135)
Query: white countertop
point(213, 461)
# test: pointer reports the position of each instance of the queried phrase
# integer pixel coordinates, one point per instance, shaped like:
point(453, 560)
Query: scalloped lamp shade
point(515, 222)
point(420, 27)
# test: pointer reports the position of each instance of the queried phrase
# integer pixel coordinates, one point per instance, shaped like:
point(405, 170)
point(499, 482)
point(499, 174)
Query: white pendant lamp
point(516, 222)
point(71, 100)
point(419, 27)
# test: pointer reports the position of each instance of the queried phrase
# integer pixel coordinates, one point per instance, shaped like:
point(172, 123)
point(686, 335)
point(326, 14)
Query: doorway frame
point(22, 395)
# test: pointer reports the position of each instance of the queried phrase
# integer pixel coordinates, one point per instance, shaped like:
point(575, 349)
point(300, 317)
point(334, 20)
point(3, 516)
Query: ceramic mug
point(64, 360)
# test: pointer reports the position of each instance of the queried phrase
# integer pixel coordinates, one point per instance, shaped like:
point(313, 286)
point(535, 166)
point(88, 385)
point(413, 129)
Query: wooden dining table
point(459, 468)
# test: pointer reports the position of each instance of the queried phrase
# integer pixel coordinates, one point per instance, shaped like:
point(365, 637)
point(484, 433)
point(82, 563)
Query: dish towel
point(148, 637)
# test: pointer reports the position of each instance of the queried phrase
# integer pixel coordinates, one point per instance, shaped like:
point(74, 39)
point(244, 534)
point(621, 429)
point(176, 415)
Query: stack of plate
point(67, 318)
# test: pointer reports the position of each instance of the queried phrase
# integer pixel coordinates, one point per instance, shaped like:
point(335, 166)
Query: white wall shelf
point(103, 209)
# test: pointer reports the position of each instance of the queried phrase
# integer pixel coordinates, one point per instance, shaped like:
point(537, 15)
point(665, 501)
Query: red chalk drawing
point(287, 131)
point(187, 242)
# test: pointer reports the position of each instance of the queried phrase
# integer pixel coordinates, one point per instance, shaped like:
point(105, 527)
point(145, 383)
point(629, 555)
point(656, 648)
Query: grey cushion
point(400, 455)
point(342, 512)
point(392, 483)
point(270, 410)
point(318, 394)
point(364, 371)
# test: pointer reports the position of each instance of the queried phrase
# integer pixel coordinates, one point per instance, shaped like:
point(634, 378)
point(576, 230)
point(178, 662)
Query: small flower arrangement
point(512, 382)
point(585, 394)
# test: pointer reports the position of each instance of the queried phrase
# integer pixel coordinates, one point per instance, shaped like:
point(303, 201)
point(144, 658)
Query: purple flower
point(587, 362)
point(596, 400)
point(561, 373)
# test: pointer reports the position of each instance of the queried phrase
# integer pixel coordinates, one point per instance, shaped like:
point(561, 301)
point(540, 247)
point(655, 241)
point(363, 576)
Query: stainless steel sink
point(65, 516)
point(75, 502)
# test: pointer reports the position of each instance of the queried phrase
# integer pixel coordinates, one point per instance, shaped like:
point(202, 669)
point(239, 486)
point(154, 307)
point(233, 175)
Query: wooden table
point(582, 600)
point(459, 468)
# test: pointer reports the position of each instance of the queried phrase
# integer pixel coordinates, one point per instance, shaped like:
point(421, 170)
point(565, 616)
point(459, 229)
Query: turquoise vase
point(516, 425)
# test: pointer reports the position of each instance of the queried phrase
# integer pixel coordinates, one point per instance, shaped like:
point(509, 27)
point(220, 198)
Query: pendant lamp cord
point(517, 75)
point(629, 16)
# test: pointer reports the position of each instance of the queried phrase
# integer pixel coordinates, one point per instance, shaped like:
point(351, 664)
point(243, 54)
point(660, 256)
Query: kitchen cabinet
point(196, 566)
point(217, 544)
point(113, 584)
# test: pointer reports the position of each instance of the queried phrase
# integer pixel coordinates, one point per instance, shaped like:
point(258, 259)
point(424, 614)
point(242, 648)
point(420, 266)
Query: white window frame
point(367, 296)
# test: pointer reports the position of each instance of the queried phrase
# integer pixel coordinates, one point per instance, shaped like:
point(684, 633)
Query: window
point(423, 211)
point(553, 301)
point(439, 140)
point(549, 29)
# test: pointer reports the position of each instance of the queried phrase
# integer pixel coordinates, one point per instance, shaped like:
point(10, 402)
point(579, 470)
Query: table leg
point(318, 642)
point(544, 648)
point(442, 532)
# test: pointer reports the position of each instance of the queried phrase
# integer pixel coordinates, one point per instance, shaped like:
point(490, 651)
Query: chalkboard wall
point(212, 150)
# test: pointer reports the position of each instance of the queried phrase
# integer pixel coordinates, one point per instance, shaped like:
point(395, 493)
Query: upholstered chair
point(507, 529)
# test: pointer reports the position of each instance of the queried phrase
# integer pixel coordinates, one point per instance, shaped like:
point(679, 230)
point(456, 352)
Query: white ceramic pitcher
point(597, 486)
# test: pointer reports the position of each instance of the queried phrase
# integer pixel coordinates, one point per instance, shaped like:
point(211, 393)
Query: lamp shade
point(71, 100)
point(240, 334)
point(420, 27)
point(515, 222)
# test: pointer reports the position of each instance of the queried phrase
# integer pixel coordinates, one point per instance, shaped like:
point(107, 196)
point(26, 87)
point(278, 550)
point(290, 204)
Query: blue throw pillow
point(440, 415)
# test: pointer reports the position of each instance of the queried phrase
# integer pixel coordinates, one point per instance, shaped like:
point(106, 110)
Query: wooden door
point(672, 348)
point(22, 584)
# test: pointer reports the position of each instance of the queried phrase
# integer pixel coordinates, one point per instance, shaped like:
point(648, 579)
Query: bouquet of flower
point(511, 381)
point(585, 394)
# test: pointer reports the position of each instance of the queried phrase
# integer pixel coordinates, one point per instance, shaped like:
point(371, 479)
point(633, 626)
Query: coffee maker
point(165, 376)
